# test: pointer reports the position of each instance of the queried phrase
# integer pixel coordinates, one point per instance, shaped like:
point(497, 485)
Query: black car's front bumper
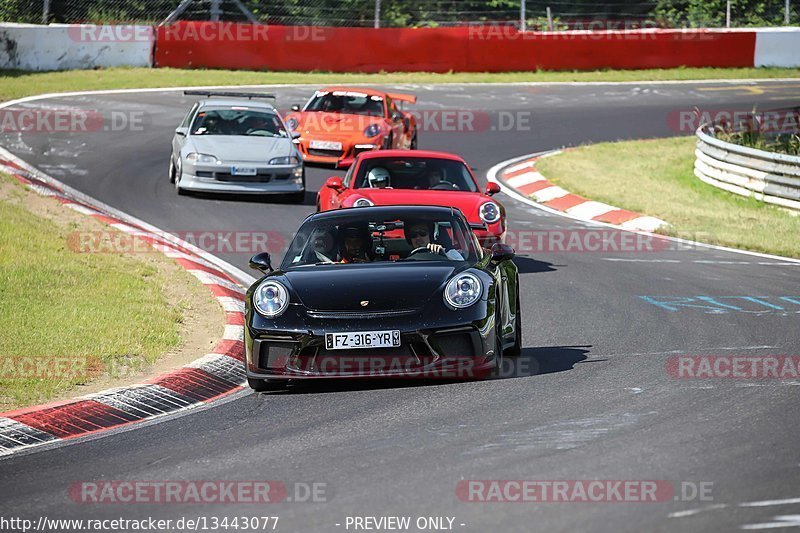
point(459, 346)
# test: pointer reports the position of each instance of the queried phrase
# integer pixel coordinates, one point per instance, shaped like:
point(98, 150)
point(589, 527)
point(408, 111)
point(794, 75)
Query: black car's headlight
point(286, 160)
point(463, 291)
point(490, 212)
point(271, 298)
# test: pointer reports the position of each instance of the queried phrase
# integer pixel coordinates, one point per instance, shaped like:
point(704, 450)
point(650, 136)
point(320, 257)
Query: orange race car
point(338, 123)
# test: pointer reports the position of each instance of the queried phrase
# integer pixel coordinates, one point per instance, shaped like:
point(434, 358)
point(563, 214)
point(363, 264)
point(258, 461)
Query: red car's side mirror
point(492, 188)
point(335, 183)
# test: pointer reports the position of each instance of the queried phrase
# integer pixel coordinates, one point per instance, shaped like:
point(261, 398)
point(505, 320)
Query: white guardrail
point(767, 176)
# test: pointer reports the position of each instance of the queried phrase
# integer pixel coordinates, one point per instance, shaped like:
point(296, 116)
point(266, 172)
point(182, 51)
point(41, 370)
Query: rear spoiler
point(250, 96)
point(410, 98)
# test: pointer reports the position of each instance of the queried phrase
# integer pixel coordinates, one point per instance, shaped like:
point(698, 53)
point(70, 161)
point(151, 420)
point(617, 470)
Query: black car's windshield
point(350, 103)
point(415, 173)
point(235, 121)
point(360, 238)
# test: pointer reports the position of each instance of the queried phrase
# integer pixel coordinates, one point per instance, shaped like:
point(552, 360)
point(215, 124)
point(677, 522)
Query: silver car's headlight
point(363, 202)
point(286, 160)
point(463, 291)
point(194, 157)
point(271, 298)
point(490, 212)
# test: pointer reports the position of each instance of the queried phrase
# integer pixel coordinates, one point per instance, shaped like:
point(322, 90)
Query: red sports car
point(338, 123)
point(399, 177)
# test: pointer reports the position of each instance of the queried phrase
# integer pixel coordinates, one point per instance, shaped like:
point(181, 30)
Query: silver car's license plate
point(244, 171)
point(362, 339)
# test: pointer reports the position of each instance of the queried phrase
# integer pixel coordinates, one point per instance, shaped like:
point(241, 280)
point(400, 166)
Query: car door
point(179, 141)
point(397, 123)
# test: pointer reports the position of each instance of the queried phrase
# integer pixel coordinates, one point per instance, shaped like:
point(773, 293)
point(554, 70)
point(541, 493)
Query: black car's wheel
point(498, 346)
point(516, 350)
point(263, 385)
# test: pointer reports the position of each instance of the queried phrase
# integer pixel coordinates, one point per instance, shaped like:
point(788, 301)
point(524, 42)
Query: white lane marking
point(644, 223)
point(520, 166)
point(769, 503)
point(621, 260)
point(492, 173)
point(525, 179)
point(210, 279)
point(692, 512)
point(589, 209)
point(233, 333)
point(231, 305)
point(782, 521)
point(550, 193)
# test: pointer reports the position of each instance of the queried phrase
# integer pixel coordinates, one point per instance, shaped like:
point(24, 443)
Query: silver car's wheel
point(171, 169)
point(177, 181)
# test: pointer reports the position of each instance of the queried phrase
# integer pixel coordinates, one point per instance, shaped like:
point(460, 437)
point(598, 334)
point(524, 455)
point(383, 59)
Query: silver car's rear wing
point(230, 94)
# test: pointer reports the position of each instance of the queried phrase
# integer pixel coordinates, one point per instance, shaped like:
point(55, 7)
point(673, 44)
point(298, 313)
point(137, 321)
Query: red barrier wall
point(466, 49)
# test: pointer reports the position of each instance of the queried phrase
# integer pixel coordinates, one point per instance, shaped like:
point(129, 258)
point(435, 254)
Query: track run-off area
point(594, 395)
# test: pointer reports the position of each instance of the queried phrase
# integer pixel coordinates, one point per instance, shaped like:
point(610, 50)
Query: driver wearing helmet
point(379, 178)
point(419, 233)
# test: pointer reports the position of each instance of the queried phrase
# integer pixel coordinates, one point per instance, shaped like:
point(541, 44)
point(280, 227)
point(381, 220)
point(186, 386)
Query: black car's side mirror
point(261, 262)
point(502, 252)
point(295, 107)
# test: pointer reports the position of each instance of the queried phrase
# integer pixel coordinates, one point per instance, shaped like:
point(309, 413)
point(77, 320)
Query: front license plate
point(244, 171)
point(325, 145)
point(362, 339)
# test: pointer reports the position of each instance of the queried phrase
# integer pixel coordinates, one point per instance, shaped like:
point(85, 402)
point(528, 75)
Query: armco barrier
point(766, 176)
point(463, 49)
point(63, 47)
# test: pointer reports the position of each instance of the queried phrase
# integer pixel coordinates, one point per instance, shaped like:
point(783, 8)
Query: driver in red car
point(419, 234)
point(355, 245)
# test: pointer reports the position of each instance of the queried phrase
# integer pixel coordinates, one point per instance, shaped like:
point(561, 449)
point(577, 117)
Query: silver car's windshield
point(249, 122)
point(367, 239)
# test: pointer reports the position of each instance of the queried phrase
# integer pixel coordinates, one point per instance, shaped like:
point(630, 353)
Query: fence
point(523, 14)
point(767, 176)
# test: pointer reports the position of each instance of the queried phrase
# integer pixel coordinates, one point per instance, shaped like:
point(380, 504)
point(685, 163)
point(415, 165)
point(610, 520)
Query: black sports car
point(394, 291)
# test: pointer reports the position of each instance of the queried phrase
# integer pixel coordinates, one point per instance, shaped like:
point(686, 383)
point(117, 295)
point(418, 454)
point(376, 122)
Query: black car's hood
point(386, 286)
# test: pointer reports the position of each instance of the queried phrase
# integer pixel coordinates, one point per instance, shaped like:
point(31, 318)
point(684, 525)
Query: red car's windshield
point(350, 103)
point(415, 173)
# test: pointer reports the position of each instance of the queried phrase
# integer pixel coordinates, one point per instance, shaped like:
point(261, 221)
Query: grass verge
point(68, 319)
point(656, 177)
point(16, 84)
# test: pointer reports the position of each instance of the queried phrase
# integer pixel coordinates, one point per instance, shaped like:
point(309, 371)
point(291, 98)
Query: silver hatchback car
point(235, 143)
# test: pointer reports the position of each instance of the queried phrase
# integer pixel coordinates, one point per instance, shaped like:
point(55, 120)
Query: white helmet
point(379, 178)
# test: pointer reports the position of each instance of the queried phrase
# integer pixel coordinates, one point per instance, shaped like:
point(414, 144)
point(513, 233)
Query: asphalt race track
point(590, 397)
